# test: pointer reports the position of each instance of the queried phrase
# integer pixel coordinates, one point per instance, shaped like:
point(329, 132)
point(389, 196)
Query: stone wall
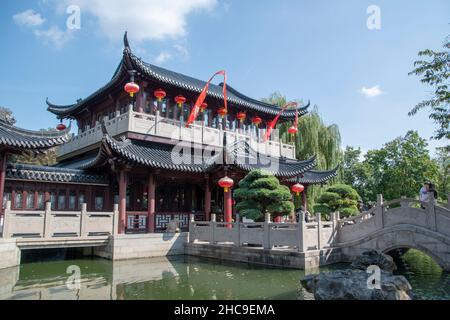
point(9, 253)
point(134, 246)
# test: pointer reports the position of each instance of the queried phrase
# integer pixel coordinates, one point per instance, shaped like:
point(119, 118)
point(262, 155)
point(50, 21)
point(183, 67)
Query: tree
point(6, 115)
point(397, 169)
point(314, 137)
point(443, 178)
point(357, 173)
point(259, 192)
point(435, 72)
point(339, 197)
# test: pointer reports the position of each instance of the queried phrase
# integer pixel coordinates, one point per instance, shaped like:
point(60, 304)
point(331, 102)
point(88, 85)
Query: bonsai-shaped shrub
point(259, 192)
point(339, 197)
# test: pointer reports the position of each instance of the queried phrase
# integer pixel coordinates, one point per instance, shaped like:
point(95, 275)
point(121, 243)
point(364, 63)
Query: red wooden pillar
point(122, 200)
point(151, 202)
point(228, 204)
point(207, 205)
point(2, 180)
point(304, 201)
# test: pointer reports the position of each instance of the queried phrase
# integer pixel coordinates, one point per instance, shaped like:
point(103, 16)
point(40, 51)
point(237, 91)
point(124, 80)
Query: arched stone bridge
point(400, 223)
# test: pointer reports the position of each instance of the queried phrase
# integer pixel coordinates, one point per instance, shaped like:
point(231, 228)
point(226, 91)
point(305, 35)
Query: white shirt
point(423, 195)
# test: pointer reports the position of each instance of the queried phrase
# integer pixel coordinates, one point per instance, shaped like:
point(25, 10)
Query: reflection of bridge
point(400, 223)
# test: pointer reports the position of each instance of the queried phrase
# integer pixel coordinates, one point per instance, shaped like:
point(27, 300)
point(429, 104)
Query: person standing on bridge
point(423, 194)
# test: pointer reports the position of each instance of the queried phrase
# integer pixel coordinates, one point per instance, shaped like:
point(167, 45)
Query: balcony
point(155, 125)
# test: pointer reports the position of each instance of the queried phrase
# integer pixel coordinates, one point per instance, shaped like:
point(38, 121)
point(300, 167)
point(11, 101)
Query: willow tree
point(314, 137)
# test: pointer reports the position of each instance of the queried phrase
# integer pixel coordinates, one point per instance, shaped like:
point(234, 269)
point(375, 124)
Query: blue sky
point(317, 50)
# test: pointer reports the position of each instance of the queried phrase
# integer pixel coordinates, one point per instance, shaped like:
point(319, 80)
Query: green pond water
point(186, 277)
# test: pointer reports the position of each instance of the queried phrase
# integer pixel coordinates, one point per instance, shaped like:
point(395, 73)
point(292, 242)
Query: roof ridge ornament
point(126, 44)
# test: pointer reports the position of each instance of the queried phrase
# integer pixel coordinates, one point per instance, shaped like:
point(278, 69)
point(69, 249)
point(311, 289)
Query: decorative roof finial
point(125, 40)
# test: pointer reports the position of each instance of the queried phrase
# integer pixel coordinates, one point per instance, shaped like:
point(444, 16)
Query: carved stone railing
point(300, 236)
point(49, 224)
point(159, 126)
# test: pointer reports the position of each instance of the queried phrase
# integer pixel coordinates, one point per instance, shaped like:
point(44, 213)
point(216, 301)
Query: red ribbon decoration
point(196, 109)
point(274, 121)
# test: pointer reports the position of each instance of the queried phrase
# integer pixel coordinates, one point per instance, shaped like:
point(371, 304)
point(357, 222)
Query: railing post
point(191, 226)
point(379, 212)
point(156, 122)
point(6, 218)
point(431, 212)
point(115, 226)
point(47, 219)
point(301, 233)
point(212, 225)
point(267, 231)
point(83, 221)
point(448, 201)
point(319, 230)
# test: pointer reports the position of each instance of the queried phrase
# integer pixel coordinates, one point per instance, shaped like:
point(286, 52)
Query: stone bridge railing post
point(335, 217)
point(191, 226)
point(267, 231)
point(83, 221)
point(448, 201)
point(47, 219)
point(301, 233)
point(115, 225)
point(379, 212)
point(319, 230)
point(431, 212)
point(212, 226)
point(6, 217)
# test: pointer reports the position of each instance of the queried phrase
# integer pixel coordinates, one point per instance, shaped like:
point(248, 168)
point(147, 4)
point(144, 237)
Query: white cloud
point(54, 36)
point(372, 92)
point(144, 19)
point(28, 18)
point(163, 57)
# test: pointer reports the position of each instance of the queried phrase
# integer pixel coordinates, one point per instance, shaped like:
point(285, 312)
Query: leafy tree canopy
point(338, 197)
point(434, 71)
point(259, 192)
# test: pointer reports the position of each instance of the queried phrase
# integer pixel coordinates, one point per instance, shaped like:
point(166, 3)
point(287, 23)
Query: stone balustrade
point(49, 224)
point(158, 126)
point(302, 236)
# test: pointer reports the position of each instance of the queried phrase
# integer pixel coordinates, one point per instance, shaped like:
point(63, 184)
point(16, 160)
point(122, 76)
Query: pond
point(184, 277)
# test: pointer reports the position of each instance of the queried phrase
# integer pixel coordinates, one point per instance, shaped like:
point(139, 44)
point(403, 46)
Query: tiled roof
point(53, 174)
point(161, 156)
point(152, 72)
point(315, 176)
point(12, 137)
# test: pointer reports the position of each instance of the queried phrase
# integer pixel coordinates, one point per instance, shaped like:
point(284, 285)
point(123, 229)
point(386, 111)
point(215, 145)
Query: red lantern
point(226, 183)
point(131, 88)
point(222, 112)
point(256, 120)
point(203, 106)
point(180, 100)
point(61, 127)
point(297, 188)
point(292, 130)
point(159, 94)
point(241, 116)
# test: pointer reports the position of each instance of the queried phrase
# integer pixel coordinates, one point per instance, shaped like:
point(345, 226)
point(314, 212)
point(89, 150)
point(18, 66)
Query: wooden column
point(2, 179)
point(151, 203)
point(122, 200)
point(228, 206)
point(207, 206)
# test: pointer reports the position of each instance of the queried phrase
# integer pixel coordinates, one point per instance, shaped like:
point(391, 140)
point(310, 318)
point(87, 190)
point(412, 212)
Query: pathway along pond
point(186, 277)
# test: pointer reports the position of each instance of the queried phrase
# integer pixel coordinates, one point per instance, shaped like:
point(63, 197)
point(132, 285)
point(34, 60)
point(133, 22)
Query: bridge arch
point(403, 236)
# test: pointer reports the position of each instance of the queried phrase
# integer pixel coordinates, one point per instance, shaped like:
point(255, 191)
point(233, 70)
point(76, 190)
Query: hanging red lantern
point(241, 116)
point(256, 120)
point(131, 88)
point(159, 94)
point(61, 127)
point(292, 130)
point(226, 183)
point(180, 100)
point(222, 112)
point(297, 188)
point(203, 106)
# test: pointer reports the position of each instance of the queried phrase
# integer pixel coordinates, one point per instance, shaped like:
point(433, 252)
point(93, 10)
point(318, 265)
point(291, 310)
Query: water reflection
point(180, 278)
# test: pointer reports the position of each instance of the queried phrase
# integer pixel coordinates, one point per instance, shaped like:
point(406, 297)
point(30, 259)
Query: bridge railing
point(300, 236)
point(48, 224)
